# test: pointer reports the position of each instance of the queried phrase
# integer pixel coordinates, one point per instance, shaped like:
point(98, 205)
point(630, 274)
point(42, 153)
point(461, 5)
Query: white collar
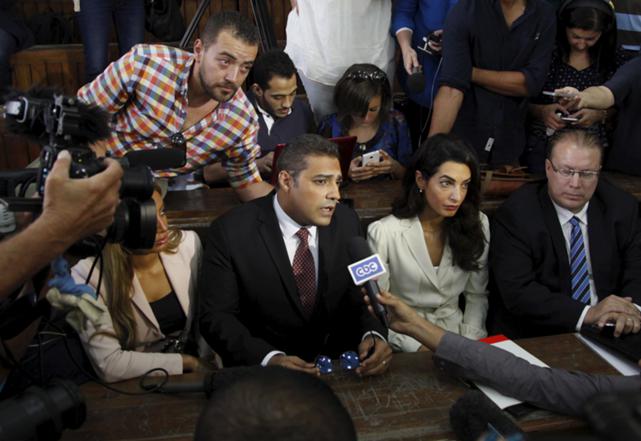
point(565, 215)
point(265, 113)
point(288, 226)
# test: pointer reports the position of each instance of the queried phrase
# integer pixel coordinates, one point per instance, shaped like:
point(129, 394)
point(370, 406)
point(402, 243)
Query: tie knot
point(575, 221)
point(303, 235)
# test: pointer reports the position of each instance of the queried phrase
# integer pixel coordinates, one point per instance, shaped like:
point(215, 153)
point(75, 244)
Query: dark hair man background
point(281, 115)
point(274, 287)
point(567, 251)
point(275, 404)
point(165, 97)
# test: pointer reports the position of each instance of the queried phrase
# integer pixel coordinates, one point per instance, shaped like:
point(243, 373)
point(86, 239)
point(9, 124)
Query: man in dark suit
point(275, 289)
point(567, 251)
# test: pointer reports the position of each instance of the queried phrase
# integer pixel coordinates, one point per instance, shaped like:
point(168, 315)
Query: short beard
point(211, 92)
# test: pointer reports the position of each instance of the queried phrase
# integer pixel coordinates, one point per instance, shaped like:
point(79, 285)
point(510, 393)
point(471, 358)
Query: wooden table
point(196, 209)
point(410, 402)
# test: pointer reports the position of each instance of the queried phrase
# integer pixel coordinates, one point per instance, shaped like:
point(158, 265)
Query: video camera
point(65, 123)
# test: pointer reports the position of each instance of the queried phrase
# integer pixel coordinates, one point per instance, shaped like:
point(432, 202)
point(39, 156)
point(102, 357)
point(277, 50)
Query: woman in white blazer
point(149, 295)
point(435, 242)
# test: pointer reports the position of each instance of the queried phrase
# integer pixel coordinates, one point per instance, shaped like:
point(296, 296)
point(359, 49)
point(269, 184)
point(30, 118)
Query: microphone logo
point(366, 269)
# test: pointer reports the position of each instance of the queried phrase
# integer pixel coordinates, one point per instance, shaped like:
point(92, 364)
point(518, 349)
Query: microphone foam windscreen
point(416, 82)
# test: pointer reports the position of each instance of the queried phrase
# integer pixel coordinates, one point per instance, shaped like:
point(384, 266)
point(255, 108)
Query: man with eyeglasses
point(567, 251)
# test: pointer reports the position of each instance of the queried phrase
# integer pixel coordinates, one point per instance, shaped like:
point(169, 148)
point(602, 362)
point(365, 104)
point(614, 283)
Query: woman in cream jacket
point(435, 244)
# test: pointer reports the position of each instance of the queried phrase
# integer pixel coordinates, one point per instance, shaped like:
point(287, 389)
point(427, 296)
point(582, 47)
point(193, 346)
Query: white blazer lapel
point(415, 241)
point(141, 302)
point(178, 272)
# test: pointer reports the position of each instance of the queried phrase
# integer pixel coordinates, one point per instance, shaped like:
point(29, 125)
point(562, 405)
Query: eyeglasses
point(586, 175)
point(374, 75)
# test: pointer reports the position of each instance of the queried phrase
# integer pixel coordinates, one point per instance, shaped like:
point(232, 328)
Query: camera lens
point(137, 182)
point(134, 224)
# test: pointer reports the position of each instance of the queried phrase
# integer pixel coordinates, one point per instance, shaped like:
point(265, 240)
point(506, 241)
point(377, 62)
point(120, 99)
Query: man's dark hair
point(275, 404)
point(294, 157)
point(580, 138)
point(240, 27)
point(273, 63)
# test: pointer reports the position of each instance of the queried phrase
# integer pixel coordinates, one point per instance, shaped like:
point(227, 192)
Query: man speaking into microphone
point(274, 287)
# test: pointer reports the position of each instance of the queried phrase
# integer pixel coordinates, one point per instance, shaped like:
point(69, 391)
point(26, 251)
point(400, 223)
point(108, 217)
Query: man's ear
point(285, 180)
point(256, 90)
point(199, 50)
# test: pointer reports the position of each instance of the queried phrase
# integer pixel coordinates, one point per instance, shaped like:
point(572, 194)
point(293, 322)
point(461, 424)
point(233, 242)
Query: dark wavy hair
point(353, 92)
point(603, 53)
point(463, 230)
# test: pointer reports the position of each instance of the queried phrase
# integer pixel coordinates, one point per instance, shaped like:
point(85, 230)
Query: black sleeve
point(456, 70)
point(625, 80)
point(536, 69)
point(219, 305)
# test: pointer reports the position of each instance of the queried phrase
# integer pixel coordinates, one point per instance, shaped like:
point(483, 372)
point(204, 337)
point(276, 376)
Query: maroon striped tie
point(305, 272)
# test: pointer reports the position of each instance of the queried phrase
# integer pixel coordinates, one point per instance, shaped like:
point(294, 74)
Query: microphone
point(207, 384)
point(475, 414)
point(367, 266)
point(416, 82)
point(157, 159)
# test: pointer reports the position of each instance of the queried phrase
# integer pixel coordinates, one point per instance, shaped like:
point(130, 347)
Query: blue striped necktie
point(578, 264)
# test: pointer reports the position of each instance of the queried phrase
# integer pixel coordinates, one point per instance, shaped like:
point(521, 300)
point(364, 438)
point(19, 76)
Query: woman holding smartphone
point(435, 242)
point(363, 98)
point(586, 55)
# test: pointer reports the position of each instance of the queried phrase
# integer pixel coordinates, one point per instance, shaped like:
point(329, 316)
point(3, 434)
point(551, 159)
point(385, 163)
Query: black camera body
point(64, 123)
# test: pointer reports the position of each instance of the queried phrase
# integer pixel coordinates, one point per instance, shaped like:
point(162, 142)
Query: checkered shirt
point(146, 91)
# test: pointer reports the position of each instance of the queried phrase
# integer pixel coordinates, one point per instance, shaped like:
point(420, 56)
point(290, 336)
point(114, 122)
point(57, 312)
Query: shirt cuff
point(581, 318)
point(368, 333)
point(269, 356)
point(404, 29)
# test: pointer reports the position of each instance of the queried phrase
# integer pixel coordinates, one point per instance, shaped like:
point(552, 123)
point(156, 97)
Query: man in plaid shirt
point(161, 96)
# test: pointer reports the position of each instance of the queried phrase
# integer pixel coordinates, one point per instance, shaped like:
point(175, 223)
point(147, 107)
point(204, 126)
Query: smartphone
point(371, 158)
point(567, 118)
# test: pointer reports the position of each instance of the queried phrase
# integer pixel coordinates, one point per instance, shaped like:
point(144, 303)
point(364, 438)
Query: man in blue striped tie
point(567, 251)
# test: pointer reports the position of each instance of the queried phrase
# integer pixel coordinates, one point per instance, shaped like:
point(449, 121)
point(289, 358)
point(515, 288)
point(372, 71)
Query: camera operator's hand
point(72, 209)
point(77, 208)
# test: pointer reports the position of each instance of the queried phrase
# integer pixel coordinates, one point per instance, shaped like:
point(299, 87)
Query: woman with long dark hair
point(363, 98)
point(586, 55)
point(435, 242)
point(150, 298)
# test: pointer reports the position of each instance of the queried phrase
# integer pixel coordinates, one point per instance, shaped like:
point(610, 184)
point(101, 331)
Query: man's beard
point(213, 91)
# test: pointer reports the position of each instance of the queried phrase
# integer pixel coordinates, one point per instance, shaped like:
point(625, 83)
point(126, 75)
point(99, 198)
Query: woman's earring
point(420, 190)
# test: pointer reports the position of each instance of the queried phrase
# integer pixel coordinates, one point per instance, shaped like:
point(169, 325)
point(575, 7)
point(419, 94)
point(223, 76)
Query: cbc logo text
point(368, 268)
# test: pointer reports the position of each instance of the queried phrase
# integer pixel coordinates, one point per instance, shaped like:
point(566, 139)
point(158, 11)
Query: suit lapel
point(413, 237)
point(178, 272)
point(558, 240)
point(140, 301)
point(270, 232)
